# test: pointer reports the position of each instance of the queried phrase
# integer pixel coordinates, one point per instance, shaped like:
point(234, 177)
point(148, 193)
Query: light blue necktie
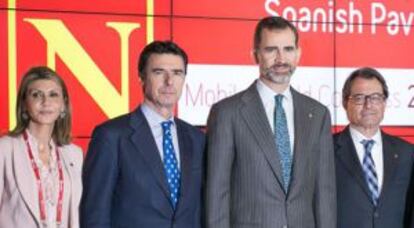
point(170, 163)
point(368, 166)
point(282, 141)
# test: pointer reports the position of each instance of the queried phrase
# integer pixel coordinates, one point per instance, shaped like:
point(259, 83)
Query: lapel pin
point(395, 155)
point(71, 164)
point(310, 115)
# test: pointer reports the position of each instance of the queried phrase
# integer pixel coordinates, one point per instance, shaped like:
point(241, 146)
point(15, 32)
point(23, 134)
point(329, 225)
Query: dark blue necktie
point(368, 166)
point(170, 163)
point(282, 141)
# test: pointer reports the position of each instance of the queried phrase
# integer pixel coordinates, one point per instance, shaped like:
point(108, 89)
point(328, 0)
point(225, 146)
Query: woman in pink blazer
point(40, 169)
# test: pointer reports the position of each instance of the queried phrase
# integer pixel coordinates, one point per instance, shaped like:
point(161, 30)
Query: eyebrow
point(178, 70)
point(380, 93)
point(163, 69)
point(44, 91)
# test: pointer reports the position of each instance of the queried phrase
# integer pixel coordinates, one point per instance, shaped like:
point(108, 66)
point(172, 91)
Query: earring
point(25, 116)
point(62, 114)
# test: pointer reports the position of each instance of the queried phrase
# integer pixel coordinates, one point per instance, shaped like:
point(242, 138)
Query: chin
point(168, 105)
point(280, 79)
point(371, 125)
point(44, 123)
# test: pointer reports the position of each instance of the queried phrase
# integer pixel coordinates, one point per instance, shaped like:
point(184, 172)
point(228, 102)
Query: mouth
point(46, 112)
point(168, 91)
point(368, 114)
point(282, 68)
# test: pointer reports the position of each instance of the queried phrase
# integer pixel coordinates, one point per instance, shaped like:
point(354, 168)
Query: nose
point(367, 102)
point(45, 99)
point(168, 78)
point(279, 56)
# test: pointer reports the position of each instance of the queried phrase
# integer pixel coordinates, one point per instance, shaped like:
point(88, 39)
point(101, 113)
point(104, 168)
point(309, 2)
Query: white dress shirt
point(376, 152)
point(154, 120)
point(267, 96)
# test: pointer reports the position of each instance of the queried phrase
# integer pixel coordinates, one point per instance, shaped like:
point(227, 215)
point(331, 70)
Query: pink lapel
point(25, 178)
point(72, 190)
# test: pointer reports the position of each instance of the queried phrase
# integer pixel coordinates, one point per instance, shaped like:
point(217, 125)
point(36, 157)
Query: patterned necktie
point(282, 141)
point(369, 170)
point(170, 163)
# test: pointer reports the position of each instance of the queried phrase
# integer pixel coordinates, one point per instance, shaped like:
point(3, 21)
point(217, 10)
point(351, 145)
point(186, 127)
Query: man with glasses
point(373, 169)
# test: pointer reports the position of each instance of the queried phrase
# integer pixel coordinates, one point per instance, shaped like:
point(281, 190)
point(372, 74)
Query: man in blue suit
point(144, 169)
point(373, 169)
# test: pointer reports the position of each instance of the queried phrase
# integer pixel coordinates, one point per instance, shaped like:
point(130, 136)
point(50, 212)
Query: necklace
point(39, 184)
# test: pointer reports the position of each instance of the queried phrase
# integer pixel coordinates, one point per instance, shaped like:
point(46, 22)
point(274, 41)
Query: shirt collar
point(154, 118)
point(267, 94)
point(358, 136)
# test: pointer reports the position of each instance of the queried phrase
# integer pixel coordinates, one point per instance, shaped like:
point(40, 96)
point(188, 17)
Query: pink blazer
point(19, 205)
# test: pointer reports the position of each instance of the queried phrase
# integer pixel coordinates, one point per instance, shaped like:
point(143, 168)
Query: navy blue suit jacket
point(354, 200)
point(124, 184)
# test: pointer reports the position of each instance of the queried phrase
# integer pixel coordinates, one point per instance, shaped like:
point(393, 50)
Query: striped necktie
point(368, 166)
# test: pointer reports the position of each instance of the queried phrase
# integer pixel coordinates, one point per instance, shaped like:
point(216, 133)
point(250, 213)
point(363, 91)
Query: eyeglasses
point(360, 99)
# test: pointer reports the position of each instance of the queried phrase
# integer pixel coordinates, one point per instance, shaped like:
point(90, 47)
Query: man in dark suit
point(373, 169)
point(270, 150)
point(144, 169)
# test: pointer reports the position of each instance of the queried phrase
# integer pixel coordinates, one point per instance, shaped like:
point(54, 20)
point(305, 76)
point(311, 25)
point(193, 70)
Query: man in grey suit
point(373, 169)
point(270, 150)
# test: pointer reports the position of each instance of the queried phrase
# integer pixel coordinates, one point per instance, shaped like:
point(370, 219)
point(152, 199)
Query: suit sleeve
point(325, 198)
point(100, 173)
point(3, 151)
point(220, 155)
point(409, 206)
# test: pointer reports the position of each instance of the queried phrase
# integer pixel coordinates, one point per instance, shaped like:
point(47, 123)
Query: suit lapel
point(346, 153)
point(255, 117)
point(186, 154)
point(390, 158)
point(303, 115)
point(25, 178)
point(68, 165)
point(145, 145)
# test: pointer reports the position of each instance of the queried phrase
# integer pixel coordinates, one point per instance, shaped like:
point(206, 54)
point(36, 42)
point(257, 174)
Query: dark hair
point(159, 47)
point(365, 73)
point(271, 23)
point(63, 125)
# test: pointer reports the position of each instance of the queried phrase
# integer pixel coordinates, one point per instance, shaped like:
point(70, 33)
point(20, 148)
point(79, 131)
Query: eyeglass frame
point(373, 98)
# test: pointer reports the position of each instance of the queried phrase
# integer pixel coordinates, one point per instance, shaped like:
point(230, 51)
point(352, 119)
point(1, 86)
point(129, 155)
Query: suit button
point(284, 226)
point(376, 214)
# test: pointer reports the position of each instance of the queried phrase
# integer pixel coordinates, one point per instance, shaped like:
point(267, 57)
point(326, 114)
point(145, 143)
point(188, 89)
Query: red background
point(211, 31)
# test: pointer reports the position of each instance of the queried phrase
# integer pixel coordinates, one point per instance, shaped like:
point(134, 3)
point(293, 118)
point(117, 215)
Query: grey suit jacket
point(354, 198)
point(244, 177)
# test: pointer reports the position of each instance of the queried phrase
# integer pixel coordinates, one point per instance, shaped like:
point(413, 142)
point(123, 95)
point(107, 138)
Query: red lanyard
point(39, 184)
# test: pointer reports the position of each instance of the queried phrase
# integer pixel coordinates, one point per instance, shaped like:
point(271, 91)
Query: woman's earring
point(62, 114)
point(25, 116)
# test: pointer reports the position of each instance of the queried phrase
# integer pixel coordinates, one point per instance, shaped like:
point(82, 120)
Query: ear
point(253, 54)
point(141, 78)
point(299, 55)
point(344, 104)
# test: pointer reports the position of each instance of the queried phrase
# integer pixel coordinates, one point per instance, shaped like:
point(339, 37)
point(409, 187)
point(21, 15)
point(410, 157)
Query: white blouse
point(49, 177)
